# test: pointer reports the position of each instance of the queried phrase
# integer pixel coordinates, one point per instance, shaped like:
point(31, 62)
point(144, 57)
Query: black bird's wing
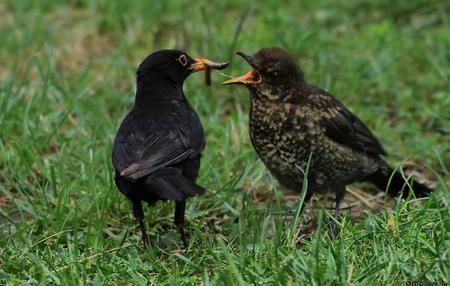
point(343, 127)
point(143, 148)
point(152, 153)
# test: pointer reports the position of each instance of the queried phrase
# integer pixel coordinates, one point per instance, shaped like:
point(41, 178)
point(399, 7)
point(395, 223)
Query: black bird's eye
point(183, 60)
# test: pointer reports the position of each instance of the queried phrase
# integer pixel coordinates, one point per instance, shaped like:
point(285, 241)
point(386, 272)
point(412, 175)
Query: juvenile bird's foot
point(334, 230)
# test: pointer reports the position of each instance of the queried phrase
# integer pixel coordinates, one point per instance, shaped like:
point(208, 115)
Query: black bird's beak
point(202, 64)
point(252, 77)
point(206, 65)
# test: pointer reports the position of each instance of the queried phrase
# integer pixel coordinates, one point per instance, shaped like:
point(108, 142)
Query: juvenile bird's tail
point(397, 183)
point(170, 184)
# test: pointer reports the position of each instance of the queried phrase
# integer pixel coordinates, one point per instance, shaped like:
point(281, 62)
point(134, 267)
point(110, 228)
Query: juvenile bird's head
point(172, 67)
point(274, 74)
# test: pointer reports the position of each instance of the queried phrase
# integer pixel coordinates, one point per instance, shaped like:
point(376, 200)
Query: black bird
point(156, 153)
point(293, 122)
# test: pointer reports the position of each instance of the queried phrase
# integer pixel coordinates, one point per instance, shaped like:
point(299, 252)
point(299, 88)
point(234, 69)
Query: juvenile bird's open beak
point(202, 64)
point(252, 77)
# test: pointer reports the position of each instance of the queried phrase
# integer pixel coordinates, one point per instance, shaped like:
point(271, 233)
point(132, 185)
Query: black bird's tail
point(397, 183)
point(169, 184)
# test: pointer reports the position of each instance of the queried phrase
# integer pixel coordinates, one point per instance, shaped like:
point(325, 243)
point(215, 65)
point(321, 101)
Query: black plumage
point(156, 153)
point(292, 122)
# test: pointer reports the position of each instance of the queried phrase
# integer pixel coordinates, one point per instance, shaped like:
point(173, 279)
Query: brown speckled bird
point(292, 122)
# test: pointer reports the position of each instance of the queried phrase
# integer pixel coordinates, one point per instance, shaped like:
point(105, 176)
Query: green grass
point(67, 80)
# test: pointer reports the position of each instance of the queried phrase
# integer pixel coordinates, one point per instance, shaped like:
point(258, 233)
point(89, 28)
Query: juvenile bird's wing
point(343, 127)
point(138, 153)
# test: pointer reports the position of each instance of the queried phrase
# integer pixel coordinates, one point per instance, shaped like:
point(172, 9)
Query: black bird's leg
point(180, 207)
point(340, 192)
point(139, 215)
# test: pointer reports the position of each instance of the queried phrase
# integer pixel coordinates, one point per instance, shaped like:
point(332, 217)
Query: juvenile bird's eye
point(272, 74)
point(183, 60)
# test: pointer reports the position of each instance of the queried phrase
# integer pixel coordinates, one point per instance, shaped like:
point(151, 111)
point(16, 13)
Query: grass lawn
point(67, 80)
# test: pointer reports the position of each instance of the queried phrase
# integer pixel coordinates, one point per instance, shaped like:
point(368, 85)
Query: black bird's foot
point(180, 207)
point(139, 215)
point(145, 240)
point(182, 235)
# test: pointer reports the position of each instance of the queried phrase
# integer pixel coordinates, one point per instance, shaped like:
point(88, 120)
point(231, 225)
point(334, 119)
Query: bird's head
point(274, 74)
point(173, 65)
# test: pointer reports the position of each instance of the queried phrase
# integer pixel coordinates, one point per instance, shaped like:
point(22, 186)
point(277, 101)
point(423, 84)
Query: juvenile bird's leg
point(139, 215)
point(340, 192)
point(308, 196)
point(305, 201)
point(180, 207)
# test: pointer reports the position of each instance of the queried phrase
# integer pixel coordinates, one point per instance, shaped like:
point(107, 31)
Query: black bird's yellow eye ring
point(183, 60)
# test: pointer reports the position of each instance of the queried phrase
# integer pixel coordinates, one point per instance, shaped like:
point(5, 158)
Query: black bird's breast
point(157, 132)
